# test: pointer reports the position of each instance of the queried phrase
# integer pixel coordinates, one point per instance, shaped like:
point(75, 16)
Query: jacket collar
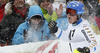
point(78, 22)
point(44, 11)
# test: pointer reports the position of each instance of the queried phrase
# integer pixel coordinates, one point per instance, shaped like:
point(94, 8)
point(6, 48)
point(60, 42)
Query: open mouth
point(69, 18)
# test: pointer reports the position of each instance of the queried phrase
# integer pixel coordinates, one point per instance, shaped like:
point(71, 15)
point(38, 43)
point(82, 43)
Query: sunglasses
point(71, 12)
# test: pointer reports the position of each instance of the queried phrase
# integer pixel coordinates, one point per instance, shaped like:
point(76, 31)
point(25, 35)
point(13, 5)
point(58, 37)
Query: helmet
point(76, 5)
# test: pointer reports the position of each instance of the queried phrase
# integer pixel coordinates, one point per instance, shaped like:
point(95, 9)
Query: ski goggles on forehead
point(71, 12)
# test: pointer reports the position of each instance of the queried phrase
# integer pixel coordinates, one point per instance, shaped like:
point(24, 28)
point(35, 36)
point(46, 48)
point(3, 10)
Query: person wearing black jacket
point(15, 14)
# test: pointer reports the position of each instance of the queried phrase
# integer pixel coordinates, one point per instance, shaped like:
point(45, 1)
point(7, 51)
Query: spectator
point(35, 28)
point(47, 10)
point(2, 5)
point(12, 19)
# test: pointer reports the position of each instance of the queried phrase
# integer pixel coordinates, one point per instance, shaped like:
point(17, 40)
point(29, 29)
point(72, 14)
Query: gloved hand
point(25, 34)
point(82, 50)
point(86, 50)
point(52, 26)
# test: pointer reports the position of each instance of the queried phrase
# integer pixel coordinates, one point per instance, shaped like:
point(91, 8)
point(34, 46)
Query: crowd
point(23, 22)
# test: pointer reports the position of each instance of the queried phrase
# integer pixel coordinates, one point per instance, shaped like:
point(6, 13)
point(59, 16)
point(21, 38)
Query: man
point(12, 19)
point(2, 5)
point(48, 12)
point(34, 29)
point(79, 34)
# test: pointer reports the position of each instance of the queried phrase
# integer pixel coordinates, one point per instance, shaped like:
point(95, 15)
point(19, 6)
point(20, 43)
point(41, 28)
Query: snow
point(44, 47)
point(36, 47)
point(56, 5)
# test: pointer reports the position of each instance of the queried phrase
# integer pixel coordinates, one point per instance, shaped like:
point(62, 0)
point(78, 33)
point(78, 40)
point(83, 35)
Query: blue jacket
point(43, 33)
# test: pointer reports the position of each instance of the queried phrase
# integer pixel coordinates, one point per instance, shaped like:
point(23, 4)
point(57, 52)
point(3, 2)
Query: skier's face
point(71, 15)
point(45, 4)
point(19, 3)
point(71, 19)
point(3, 1)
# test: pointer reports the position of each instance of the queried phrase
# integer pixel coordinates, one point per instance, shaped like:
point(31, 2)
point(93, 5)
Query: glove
point(25, 34)
point(52, 26)
point(86, 50)
point(82, 50)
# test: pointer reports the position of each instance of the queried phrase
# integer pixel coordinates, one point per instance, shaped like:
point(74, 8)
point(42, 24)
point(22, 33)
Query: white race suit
point(80, 35)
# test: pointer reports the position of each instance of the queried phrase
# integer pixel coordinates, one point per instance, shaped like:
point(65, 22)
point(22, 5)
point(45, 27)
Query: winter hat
point(35, 10)
point(36, 16)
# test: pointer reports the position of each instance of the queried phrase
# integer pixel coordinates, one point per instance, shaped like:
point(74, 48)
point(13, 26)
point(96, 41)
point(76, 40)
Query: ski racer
point(35, 28)
point(79, 34)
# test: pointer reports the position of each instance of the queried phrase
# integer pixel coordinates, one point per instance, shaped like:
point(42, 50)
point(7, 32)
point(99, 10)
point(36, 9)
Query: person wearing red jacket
point(15, 14)
point(2, 5)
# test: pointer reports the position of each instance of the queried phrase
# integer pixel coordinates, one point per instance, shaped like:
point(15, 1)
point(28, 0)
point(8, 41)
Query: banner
point(37, 47)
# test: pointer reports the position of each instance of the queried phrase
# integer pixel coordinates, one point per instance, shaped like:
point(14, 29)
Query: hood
point(34, 10)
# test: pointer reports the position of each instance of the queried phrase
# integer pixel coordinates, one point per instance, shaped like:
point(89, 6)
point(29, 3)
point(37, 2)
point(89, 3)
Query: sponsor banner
point(37, 47)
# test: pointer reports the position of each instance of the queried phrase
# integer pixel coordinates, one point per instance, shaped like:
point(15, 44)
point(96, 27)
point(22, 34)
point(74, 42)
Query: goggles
point(38, 16)
point(71, 12)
